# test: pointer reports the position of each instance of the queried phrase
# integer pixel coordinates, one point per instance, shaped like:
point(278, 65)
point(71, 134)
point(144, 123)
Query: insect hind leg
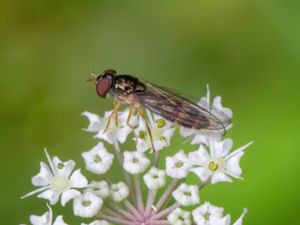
point(143, 116)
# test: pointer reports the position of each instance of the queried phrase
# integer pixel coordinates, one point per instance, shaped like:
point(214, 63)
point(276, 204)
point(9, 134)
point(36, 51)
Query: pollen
point(160, 123)
point(213, 166)
point(86, 203)
point(98, 159)
point(179, 164)
point(60, 166)
point(142, 135)
point(60, 184)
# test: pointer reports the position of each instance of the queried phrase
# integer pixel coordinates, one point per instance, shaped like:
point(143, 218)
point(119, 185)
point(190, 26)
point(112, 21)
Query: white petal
point(240, 220)
point(119, 191)
point(233, 164)
point(199, 157)
point(41, 220)
point(96, 123)
point(222, 148)
point(78, 180)
point(63, 168)
point(220, 221)
point(43, 177)
point(68, 195)
point(50, 195)
point(123, 133)
point(185, 132)
point(87, 205)
point(59, 221)
point(35, 192)
point(201, 172)
point(220, 177)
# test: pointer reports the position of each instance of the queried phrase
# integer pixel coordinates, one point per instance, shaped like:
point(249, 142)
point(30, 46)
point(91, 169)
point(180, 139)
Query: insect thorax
point(125, 86)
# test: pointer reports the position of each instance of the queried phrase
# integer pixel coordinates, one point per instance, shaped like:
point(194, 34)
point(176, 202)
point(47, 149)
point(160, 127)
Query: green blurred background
point(248, 51)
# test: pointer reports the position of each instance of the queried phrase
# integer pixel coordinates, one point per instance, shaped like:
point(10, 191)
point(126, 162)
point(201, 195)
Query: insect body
point(127, 89)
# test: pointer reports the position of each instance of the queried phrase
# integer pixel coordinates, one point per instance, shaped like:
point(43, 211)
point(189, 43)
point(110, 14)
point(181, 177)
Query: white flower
point(46, 219)
point(116, 131)
point(187, 195)
point(220, 163)
point(208, 214)
point(161, 131)
point(119, 191)
point(204, 214)
point(178, 165)
point(87, 205)
point(98, 160)
point(99, 188)
point(98, 222)
point(135, 162)
point(179, 217)
point(57, 180)
point(155, 178)
point(216, 108)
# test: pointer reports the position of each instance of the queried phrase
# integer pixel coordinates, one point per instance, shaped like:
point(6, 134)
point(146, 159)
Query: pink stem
point(124, 213)
point(165, 211)
point(150, 200)
point(115, 220)
point(139, 198)
point(167, 194)
point(132, 209)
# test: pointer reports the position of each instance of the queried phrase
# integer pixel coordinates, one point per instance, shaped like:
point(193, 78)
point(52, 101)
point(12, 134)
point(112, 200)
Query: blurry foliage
point(248, 51)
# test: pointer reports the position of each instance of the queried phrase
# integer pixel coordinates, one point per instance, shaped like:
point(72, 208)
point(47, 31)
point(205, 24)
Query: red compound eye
point(103, 87)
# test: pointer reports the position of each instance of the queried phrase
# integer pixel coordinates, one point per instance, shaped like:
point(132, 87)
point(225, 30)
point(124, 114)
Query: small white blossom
point(216, 108)
point(208, 214)
point(204, 214)
point(135, 162)
point(187, 195)
point(179, 217)
point(220, 163)
point(116, 131)
point(161, 131)
point(119, 191)
point(99, 188)
point(87, 205)
point(98, 160)
point(155, 178)
point(58, 180)
point(98, 222)
point(46, 219)
point(178, 165)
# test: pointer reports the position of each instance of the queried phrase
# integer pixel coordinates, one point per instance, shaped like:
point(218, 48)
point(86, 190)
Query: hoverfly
point(136, 93)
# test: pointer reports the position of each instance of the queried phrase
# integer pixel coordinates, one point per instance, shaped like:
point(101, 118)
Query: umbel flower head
point(138, 186)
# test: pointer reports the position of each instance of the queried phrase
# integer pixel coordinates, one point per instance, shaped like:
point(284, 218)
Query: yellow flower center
point(160, 123)
point(213, 166)
point(60, 184)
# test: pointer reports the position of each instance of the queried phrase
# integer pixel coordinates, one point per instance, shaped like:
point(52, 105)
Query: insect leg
point(132, 111)
point(113, 113)
point(143, 116)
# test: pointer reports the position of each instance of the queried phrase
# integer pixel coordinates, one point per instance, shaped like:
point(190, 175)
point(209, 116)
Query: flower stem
point(167, 194)
point(123, 212)
point(165, 211)
point(112, 213)
point(150, 200)
point(133, 210)
point(159, 222)
point(120, 159)
point(139, 197)
point(115, 220)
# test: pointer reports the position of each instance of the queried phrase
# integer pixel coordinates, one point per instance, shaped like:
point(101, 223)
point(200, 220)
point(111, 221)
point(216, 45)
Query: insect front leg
point(113, 113)
point(143, 116)
point(132, 111)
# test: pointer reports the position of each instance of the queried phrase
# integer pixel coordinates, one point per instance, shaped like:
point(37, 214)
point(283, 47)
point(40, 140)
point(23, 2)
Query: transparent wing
point(181, 110)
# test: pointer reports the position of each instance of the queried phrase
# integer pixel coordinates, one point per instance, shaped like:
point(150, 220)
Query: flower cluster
point(154, 190)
